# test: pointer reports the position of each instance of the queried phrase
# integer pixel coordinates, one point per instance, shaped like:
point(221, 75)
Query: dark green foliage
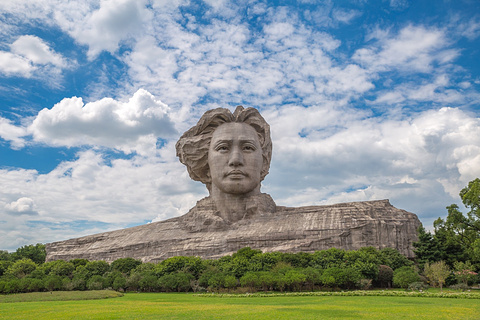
point(427, 248)
point(328, 258)
point(97, 268)
point(22, 268)
point(385, 276)
point(458, 236)
point(252, 269)
point(53, 283)
point(36, 253)
point(119, 283)
point(96, 282)
point(79, 262)
point(4, 264)
point(392, 258)
point(62, 268)
point(148, 282)
point(180, 282)
point(192, 265)
point(404, 276)
point(125, 265)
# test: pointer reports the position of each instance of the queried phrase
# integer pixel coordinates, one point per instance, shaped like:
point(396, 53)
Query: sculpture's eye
point(249, 147)
point(222, 148)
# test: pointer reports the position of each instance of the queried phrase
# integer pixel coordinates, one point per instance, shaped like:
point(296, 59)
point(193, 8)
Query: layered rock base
point(348, 226)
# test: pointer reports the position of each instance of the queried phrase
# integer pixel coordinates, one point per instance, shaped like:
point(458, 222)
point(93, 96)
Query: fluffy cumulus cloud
point(126, 126)
point(106, 26)
point(23, 205)
point(29, 55)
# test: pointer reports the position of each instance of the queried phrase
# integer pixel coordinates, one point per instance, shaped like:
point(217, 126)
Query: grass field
point(189, 306)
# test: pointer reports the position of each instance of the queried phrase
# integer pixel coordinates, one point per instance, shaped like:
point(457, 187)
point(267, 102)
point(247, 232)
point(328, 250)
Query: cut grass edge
point(60, 296)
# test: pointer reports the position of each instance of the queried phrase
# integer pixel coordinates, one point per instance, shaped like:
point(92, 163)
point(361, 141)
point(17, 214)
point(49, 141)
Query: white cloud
point(21, 206)
point(12, 133)
point(106, 27)
point(415, 48)
point(31, 57)
point(12, 64)
point(37, 51)
point(127, 126)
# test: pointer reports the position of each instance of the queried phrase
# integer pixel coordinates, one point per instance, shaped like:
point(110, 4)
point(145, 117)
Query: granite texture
point(348, 226)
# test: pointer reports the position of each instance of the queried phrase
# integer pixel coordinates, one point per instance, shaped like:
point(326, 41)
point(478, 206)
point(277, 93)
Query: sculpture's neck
point(232, 207)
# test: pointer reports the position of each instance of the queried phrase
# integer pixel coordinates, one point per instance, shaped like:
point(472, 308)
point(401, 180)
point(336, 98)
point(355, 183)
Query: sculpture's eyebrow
point(230, 141)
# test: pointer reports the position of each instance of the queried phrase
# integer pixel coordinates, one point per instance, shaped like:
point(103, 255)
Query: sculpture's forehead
point(235, 131)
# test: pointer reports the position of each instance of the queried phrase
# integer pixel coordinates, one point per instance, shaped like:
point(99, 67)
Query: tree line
point(449, 256)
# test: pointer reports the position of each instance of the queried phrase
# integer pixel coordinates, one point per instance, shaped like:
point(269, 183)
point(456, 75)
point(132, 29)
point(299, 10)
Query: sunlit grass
point(189, 306)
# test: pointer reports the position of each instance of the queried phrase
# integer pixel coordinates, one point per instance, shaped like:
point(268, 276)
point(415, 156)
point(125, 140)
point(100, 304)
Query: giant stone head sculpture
point(222, 143)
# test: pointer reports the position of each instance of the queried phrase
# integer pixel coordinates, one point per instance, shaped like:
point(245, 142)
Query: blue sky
point(366, 100)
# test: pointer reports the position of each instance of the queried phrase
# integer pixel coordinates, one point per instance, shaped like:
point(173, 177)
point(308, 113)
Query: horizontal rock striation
point(348, 226)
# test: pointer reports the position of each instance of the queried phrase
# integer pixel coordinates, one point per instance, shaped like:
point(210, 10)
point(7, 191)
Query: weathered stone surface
point(347, 226)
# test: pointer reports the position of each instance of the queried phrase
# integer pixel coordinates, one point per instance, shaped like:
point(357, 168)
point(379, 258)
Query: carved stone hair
point(192, 147)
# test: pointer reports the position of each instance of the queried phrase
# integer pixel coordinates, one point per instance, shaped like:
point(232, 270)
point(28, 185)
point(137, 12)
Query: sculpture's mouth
point(236, 174)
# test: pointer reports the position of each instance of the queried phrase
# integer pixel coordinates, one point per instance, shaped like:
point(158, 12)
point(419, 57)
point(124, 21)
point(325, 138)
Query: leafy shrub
point(385, 276)
point(417, 286)
point(125, 265)
point(22, 268)
point(404, 276)
point(460, 286)
point(119, 283)
point(53, 283)
point(96, 282)
point(364, 284)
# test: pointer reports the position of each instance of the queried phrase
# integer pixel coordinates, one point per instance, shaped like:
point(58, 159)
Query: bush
point(125, 265)
point(417, 286)
point(364, 284)
point(95, 283)
point(36, 285)
point(53, 283)
point(459, 286)
point(385, 276)
point(22, 268)
point(119, 283)
point(404, 276)
point(148, 282)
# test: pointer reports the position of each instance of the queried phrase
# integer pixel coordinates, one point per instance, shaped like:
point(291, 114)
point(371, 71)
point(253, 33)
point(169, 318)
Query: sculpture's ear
point(265, 167)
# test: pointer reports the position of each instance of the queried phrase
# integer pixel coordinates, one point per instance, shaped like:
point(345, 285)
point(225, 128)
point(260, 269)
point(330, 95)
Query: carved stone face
point(235, 159)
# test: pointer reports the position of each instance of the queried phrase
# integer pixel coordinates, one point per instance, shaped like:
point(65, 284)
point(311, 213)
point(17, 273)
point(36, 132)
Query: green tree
point(53, 283)
point(119, 283)
point(403, 276)
point(427, 248)
point(97, 268)
point(459, 234)
point(96, 282)
point(4, 264)
point(464, 272)
point(62, 268)
point(36, 253)
point(437, 272)
point(125, 265)
point(385, 276)
point(22, 268)
point(328, 258)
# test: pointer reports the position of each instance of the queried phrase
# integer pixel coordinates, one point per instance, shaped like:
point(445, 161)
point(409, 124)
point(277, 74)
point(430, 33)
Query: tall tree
point(459, 234)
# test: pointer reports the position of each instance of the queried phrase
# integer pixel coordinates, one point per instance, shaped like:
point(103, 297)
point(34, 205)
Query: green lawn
point(189, 306)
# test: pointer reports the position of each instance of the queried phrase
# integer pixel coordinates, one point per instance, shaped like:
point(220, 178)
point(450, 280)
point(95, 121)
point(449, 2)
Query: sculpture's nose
point(236, 158)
